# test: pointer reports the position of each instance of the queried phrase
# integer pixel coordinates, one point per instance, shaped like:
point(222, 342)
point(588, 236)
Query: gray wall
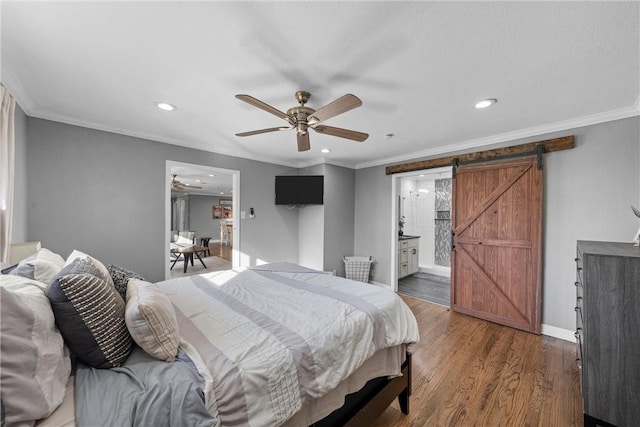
point(326, 232)
point(339, 204)
point(104, 194)
point(19, 227)
point(588, 191)
point(200, 216)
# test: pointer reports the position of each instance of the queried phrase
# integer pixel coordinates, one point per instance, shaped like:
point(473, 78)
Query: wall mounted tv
point(299, 190)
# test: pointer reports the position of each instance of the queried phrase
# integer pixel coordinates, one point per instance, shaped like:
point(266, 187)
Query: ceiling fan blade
point(341, 105)
point(342, 133)
point(266, 107)
point(303, 141)
point(256, 132)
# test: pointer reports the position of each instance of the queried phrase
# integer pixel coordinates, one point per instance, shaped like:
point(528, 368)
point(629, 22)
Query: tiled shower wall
point(421, 211)
point(443, 223)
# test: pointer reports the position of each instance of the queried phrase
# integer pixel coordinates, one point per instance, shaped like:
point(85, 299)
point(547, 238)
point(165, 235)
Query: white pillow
point(35, 364)
point(151, 320)
point(181, 240)
point(100, 266)
point(42, 266)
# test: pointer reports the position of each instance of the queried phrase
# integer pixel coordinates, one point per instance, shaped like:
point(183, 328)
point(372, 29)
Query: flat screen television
point(299, 190)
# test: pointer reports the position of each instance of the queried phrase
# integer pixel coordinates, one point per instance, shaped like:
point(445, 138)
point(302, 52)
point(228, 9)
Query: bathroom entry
point(424, 208)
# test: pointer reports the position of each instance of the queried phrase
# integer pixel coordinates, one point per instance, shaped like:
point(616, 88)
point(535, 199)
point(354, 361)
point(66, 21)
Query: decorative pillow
point(120, 277)
point(90, 314)
point(41, 266)
point(151, 320)
point(182, 240)
point(35, 364)
point(100, 266)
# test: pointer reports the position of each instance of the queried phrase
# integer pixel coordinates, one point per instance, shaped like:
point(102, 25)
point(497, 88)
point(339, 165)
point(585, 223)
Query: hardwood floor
point(219, 250)
point(470, 372)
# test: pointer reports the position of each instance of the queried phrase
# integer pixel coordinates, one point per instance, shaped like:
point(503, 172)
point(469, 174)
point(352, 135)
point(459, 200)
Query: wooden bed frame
point(363, 407)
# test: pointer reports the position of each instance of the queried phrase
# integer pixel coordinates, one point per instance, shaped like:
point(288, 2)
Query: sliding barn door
point(496, 255)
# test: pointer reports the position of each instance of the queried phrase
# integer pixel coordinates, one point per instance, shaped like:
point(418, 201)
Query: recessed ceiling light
point(165, 106)
point(325, 150)
point(211, 174)
point(222, 192)
point(423, 190)
point(486, 103)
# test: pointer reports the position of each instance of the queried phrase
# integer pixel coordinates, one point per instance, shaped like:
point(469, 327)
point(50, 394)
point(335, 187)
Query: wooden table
point(204, 241)
point(187, 253)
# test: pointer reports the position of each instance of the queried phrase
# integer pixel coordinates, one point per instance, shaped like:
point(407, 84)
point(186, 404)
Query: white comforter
point(270, 340)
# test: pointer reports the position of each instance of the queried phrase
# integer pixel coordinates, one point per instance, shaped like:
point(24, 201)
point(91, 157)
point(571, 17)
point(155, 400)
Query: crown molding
point(607, 116)
point(197, 145)
point(15, 87)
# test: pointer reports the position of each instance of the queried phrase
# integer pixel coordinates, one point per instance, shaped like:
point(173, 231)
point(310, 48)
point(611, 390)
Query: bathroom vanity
point(408, 255)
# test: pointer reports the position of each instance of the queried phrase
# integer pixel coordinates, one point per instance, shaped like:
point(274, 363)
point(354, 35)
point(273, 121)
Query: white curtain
point(7, 112)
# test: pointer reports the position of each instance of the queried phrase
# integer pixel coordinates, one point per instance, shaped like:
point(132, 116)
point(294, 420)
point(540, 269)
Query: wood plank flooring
point(470, 372)
point(427, 287)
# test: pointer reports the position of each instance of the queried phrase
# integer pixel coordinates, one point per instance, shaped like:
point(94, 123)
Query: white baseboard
point(436, 270)
point(563, 334)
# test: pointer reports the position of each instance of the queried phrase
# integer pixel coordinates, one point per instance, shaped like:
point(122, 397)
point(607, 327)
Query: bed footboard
point(362, 408)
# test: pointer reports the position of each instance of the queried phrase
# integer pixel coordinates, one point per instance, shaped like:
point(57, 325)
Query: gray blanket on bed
point(143, 392)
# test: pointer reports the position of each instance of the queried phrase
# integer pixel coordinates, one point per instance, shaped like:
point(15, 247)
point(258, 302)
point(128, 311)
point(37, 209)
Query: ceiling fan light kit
point(303, 118)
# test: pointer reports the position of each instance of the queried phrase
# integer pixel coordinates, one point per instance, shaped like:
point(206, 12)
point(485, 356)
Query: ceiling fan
point(179, 185)
point(303, 118)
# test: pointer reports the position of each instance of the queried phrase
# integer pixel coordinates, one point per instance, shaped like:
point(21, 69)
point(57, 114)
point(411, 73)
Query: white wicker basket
point(357, 267)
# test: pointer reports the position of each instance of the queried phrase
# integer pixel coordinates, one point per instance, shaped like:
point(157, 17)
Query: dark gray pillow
point(89, 313)
point(120, 277)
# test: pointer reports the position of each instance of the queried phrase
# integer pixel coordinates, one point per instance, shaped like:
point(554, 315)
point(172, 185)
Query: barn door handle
point(452, 236)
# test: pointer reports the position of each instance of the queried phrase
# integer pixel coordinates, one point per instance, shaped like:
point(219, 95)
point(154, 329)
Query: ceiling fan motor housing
point(300, 113)
point(302, 118)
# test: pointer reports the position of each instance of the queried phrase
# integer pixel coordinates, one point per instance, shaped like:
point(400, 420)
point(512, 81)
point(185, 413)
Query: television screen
point(299, 190)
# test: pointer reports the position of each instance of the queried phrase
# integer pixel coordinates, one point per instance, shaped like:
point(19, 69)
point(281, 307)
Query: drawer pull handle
point(577, 283)
point(577, 259)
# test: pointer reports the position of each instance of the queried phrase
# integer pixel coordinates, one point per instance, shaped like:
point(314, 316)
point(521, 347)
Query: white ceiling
point(210, 182)
point(419, 68)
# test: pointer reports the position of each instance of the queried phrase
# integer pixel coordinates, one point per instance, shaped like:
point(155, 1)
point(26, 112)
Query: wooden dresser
point(608, 332)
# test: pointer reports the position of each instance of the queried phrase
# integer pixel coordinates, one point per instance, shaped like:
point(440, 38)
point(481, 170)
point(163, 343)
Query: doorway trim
point(235, 200)
point(395, 193)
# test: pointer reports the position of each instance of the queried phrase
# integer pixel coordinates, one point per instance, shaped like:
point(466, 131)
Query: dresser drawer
point(403, 244)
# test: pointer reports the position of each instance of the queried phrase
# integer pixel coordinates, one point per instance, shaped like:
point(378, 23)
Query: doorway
point(192, 209)
point(424, 209)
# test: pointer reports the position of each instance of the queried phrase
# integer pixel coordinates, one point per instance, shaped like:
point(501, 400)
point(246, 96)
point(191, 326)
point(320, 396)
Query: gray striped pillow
point(89, 313)
point(151, 320)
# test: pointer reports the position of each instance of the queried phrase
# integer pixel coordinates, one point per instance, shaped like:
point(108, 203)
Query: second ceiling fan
point(303, 118)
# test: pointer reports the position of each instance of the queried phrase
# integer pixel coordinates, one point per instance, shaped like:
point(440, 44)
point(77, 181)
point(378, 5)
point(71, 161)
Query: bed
point(273, 345)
